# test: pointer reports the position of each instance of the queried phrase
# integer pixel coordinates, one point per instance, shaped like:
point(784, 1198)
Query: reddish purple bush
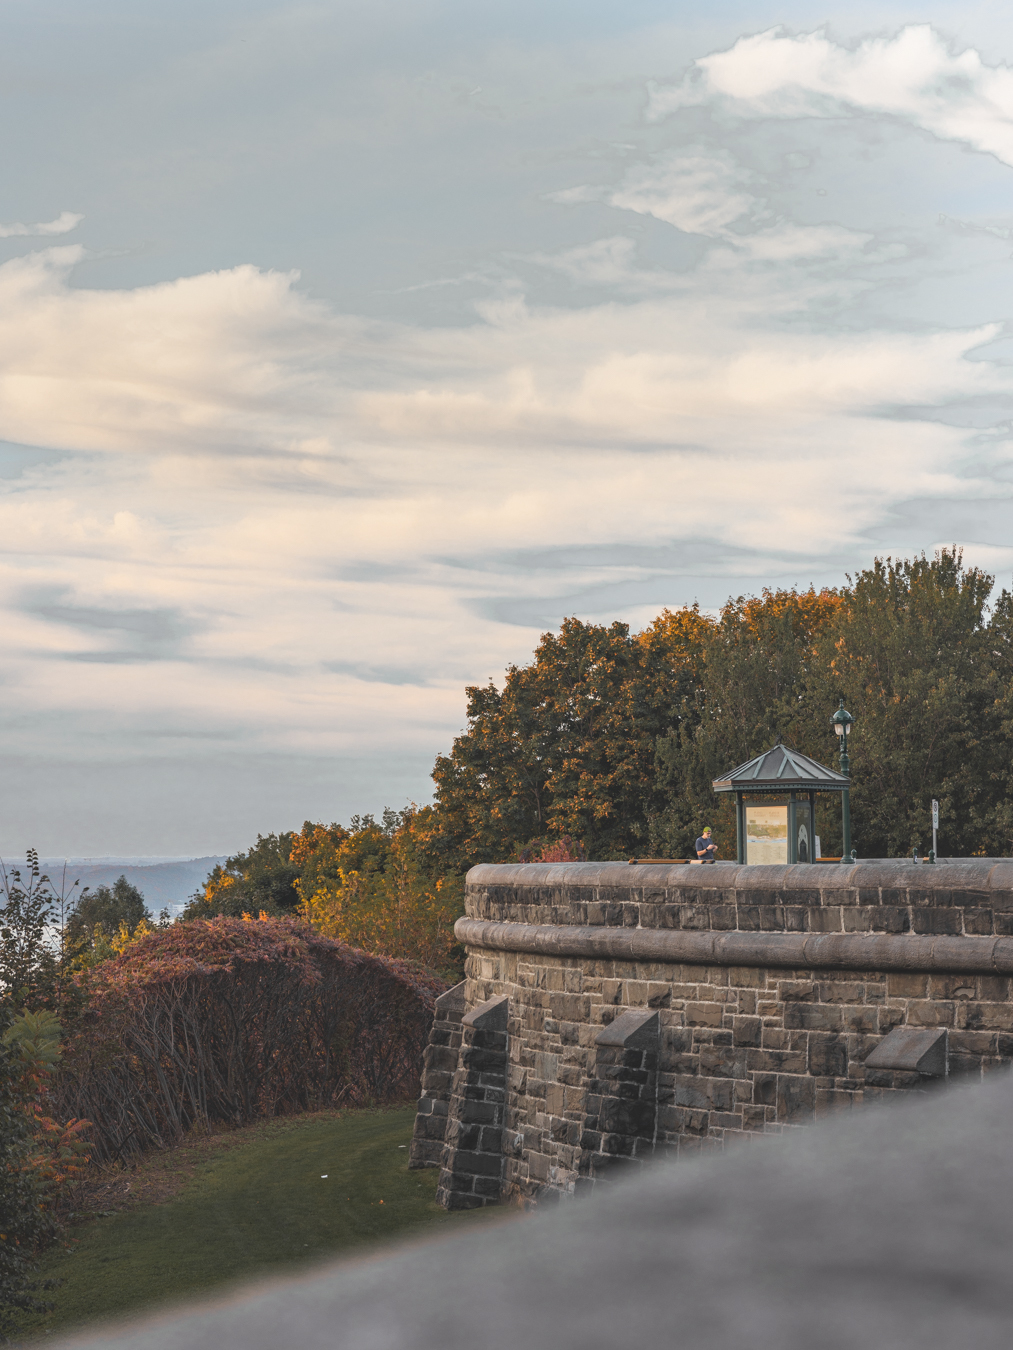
point(230, 1019)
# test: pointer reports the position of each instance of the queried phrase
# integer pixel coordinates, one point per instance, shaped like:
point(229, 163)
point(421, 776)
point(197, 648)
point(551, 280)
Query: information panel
point(766, 834)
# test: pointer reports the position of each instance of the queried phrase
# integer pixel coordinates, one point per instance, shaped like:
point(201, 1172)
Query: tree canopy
point(107, 908)
point(614, 738)
point(260, 880)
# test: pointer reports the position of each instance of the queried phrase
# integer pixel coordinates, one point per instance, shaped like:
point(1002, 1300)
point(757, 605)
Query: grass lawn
point(276, 1196)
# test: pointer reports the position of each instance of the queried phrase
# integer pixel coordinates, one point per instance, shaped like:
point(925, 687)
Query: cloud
point(63, 224)
point(277, 525)
point(703, 193)
point(915, 76)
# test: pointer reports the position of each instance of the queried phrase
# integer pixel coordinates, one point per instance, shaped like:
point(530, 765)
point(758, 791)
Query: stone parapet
point(970, 897)
point(763, 992)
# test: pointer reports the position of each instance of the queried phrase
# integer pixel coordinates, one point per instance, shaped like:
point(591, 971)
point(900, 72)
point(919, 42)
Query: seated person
point(706, 849)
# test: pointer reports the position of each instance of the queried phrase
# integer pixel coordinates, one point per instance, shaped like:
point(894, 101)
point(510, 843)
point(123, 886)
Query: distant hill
point(165, 883)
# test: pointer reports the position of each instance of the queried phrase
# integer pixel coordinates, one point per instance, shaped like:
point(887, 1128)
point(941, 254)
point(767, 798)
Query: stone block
point(635, 1030)
point(907, 986)
point(489, 1016)
point(722, 1062)
point(777, 1061)
point(858, 920)
point(475, 1163)
point(912, 1050)
point(704, 1014)
point(993, 988)
point(626, 1117)
point(463, 1135)
point(450, 1006)
point(930, 1013)
point(933, 920)
point(840, 991)
point(979, 922)
point(890, 919)
point(989, 1016)
point(813, 1017)
point(958, 987)
point(746, 1031)
point(706, 1094)
point(828, 1055)
point(765, 1089)
point(830, 1101)
point(796, 991)
point(826, 920)
point(796, 1099)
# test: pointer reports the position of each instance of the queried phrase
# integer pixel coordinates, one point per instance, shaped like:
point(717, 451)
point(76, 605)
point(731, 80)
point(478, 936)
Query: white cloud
point(63, 224)
point(703, 193)
point(290, 529)
point(914, 75)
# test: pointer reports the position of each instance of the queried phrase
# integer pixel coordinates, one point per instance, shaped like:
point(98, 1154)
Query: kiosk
point(775, 804)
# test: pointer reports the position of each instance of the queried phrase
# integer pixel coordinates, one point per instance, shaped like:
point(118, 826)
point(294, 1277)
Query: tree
point(105, 911)
point(912, 654)
point(614, 739)
point(568, 745)
point(371, 888)
point(759, 677)
point(262, 878)
point(29, 967)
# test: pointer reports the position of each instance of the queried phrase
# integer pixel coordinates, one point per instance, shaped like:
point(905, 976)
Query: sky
point(345, 348)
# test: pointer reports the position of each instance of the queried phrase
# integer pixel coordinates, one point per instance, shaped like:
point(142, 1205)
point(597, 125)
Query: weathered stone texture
point(732, 1052)
point(471, 1164)
point(438, 1068)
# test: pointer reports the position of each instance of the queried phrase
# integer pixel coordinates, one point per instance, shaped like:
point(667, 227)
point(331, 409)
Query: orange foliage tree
point(369, 887)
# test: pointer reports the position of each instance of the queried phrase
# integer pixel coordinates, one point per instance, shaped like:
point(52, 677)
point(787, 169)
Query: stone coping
point(795, 951)
point(985, 877)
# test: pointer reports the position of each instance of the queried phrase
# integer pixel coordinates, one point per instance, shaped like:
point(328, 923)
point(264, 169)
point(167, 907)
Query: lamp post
point(843, 722)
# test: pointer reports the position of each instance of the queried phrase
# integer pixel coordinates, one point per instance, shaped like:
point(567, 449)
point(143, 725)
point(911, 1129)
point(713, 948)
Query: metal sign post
point(935, 826)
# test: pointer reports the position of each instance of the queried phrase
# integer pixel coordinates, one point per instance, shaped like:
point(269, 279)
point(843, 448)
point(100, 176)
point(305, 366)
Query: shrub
point(225, 1020)
point(24, 1222)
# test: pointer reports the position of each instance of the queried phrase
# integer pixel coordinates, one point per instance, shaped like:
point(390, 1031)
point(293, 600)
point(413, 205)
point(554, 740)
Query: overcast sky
point(346, 347)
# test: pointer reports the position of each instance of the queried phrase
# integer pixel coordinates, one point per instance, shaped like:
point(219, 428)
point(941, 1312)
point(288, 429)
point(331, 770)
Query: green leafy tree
point(261, 879)
point(29, 966)
point(103, 912)
point(760, 676)
point(913, 654)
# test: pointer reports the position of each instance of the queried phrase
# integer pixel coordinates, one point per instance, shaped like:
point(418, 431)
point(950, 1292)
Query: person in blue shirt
point(706, 849)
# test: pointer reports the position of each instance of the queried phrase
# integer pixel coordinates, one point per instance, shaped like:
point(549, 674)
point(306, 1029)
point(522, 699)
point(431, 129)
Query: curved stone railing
point(800, 951)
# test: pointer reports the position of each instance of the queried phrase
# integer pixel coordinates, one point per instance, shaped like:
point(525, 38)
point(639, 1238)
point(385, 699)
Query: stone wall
point(667, 1009)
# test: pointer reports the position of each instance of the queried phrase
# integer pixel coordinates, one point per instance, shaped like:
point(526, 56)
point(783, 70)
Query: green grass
point(261, 1205)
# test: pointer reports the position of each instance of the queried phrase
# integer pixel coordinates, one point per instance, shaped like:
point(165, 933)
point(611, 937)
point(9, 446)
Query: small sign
point(816, 841)
point(935, 815)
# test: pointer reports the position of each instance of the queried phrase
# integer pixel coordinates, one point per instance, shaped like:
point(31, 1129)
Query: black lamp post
point(843, 722)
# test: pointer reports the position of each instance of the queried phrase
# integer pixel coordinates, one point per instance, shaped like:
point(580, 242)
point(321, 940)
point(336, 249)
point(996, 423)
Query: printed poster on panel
point(766, 834)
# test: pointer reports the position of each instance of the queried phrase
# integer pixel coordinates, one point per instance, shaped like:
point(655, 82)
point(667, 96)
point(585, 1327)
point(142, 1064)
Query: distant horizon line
point(132, 860)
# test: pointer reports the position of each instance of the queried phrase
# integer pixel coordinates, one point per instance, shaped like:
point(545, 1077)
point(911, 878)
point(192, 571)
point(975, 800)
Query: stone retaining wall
point(654, 1009)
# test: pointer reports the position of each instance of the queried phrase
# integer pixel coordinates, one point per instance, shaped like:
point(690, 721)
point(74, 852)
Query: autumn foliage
point(614, 737)
point(226, 1020)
